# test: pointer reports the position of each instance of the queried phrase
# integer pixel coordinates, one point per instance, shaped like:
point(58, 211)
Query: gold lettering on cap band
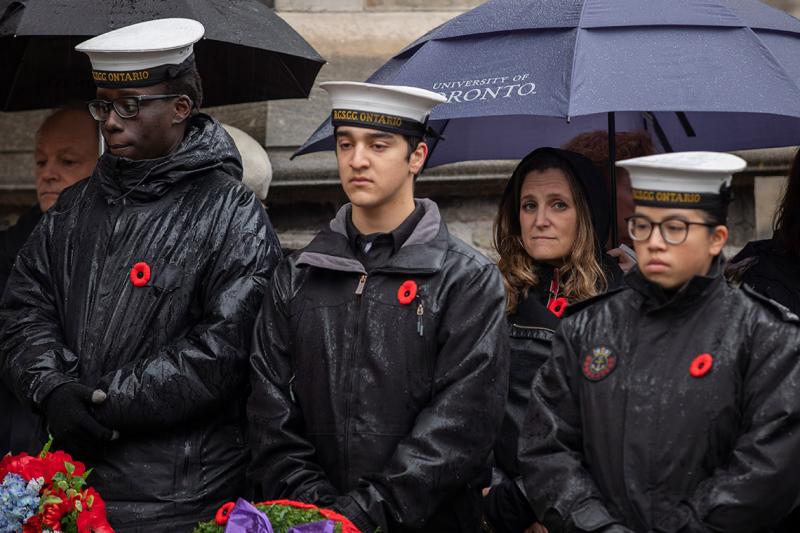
point(367, 118)
point(667, 197)
point(120, 77)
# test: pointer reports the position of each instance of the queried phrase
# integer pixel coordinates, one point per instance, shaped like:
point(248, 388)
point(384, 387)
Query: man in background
point(65, 153)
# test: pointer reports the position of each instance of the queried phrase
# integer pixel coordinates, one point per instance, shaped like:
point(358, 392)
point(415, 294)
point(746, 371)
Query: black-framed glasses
point(124, 106)
point(673, 230)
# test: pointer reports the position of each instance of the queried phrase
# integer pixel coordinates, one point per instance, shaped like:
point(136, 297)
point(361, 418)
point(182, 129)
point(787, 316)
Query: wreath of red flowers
point(140, 274)
point(223, 513)
point(701, 365)
point(407, 292)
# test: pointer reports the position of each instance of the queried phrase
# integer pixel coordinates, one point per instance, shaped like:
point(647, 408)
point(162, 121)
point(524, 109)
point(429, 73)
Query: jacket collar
point(422, 252)
point(693, 291)
point(206, 146)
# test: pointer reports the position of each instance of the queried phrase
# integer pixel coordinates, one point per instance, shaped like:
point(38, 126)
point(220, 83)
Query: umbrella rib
point(773, 56)
point(765, 48)
point(291, 74)
point(578, 30)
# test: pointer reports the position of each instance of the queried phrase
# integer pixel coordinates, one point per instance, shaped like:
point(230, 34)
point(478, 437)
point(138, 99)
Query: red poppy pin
point(140, 274)
point(407, 292)
point(599, 364)
point(558, 306)
point(223, 513)
point(701, 365)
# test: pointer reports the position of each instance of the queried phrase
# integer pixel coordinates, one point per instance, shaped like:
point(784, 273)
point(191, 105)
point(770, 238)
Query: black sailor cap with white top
point(143, 54)
point(684, 180)
point(391, 108)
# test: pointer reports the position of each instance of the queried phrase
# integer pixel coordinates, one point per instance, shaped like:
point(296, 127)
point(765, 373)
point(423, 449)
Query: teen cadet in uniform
point(671, 405)
point(380, 359)
point(130, 309)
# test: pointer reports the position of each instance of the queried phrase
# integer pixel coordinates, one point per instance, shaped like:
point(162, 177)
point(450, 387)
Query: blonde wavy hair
point(581, 273)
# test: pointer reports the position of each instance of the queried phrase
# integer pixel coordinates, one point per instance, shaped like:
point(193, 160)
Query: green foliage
point(282, 518)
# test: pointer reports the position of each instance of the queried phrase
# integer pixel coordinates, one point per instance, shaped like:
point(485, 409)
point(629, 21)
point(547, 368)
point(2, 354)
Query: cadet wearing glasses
point(128, 316)
point(670, 405)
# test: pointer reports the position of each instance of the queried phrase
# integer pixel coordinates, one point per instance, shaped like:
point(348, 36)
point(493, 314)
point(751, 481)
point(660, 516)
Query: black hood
point(587, 175)
point(205, 146)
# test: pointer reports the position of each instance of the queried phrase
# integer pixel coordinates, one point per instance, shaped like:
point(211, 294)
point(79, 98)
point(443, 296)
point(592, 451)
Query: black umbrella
point(248, 54)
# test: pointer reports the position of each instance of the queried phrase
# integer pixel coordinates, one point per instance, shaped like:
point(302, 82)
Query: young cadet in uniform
point(380, 356)
point(130, 309)
point(671, 405)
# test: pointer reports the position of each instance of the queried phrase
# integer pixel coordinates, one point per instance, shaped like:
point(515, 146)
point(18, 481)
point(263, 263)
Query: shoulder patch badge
point(599, 364)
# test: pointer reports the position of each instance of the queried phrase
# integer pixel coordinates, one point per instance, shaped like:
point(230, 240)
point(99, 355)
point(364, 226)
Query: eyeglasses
point(673, 230)
point(125, 106)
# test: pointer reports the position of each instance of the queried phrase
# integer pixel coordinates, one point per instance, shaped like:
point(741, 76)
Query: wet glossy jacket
point(172, 355)
point(387, 411)
point(641, 441)
point(17, 423)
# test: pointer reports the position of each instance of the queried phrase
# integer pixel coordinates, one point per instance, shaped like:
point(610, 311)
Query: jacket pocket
point(591, 516)
point(166, 277)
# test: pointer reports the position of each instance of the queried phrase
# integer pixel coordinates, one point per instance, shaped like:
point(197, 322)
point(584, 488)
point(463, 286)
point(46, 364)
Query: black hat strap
point(142, 77)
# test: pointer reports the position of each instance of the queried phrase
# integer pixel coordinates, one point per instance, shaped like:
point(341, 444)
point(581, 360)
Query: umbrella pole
point(612, 172)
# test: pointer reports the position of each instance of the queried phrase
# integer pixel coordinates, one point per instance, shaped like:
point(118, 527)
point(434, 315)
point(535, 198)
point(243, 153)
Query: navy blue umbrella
point(696, 74)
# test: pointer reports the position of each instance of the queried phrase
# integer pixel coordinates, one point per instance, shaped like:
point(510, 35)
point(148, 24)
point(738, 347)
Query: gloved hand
point(506, 508)
point(69, 417)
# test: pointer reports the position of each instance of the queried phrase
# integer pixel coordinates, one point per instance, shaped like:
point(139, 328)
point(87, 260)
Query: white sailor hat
point(683, 180)
point(392, 108)
point(143, 54)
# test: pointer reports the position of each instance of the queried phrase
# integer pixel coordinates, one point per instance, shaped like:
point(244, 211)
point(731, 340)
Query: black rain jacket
point(385, 411)
point(619, 430)
point(769, 268)
point(172, 355)
point(12, 239)
point(17, 423)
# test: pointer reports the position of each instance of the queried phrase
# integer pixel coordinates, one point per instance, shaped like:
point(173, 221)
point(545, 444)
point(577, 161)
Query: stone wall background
point(356, 37)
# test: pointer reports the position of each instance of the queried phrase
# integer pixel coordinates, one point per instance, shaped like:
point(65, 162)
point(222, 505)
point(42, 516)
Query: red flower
point(407, 292)
point(558, 306)
point(93, 518)
point(23, 464)
point(32, 525)
point(54, 512)
point(54, 462)
point(223, 513)
point(140, 274)
point(701, 365)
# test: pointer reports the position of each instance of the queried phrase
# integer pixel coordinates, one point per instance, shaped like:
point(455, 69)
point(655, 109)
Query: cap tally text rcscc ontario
point(392, 108)
point(683, 180)
point(143, 54)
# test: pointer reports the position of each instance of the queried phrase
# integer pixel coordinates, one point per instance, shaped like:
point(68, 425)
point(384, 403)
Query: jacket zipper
point(362, 282)
point(533, 327)
point(101, 271)
point(420, 312)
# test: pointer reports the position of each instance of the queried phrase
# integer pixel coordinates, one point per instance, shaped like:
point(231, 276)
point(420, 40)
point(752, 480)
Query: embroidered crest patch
point(599, 364)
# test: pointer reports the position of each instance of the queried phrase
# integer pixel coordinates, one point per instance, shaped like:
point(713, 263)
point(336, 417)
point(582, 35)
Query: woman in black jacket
point(553, 218)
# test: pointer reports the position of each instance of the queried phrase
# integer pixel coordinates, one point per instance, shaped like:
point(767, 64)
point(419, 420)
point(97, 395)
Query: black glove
point(347, 506)
point(507, 509)
point(70, 419)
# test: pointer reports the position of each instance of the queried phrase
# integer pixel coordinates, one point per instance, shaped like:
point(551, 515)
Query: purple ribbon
point(245, 518)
